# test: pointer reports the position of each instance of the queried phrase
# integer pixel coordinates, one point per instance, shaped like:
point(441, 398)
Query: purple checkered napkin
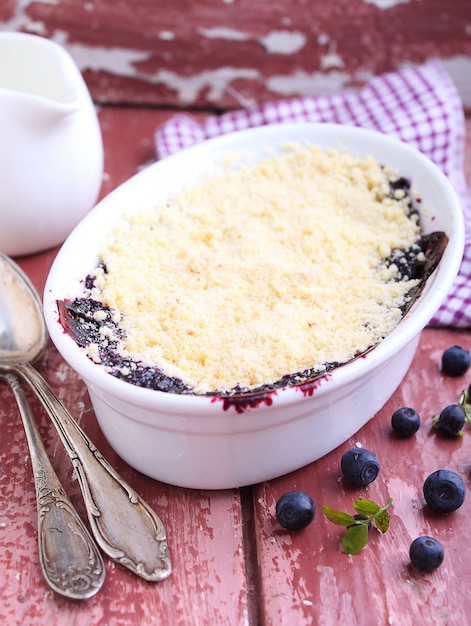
point(420, 106)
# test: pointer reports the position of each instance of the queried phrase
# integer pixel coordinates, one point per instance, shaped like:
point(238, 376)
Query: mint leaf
point(338, 517)
point(355, 538)
point(365, 507)
point(382, 521)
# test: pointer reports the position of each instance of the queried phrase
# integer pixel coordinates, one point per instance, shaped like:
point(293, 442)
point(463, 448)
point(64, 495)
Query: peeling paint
point(217, 81)
point(24, 4)
point(33, 26)
point(388, 4)
point(331, 60)
point(223, 33)
point(283, 42)
point(276, 42)
point(117, 61)
point(335, 70)
point(22, 22)
point(121, 62)
point(167, 35)
point(306, 84)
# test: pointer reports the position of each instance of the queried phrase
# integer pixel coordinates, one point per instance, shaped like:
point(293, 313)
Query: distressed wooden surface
point(233, 564)
point(305, 579)
point(221, 54)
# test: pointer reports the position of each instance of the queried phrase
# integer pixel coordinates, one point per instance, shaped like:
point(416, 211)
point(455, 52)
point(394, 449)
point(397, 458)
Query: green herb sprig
point(466, 407)
point(368, 512)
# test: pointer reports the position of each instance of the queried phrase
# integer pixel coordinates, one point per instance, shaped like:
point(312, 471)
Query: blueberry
point(451, 420)
point(359, 466)
point(400, 183)
point(405, 422)
point(444, 491)
point(426, 553)
point(455, 361)
point(295, 510)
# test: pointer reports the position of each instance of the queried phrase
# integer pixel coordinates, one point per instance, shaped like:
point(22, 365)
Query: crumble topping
point(281, 268)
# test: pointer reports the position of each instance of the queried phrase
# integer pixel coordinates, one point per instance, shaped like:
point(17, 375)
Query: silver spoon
point(124, 526)
point(70, 560)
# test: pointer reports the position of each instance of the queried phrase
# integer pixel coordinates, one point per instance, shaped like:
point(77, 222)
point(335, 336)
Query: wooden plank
point(232, 53)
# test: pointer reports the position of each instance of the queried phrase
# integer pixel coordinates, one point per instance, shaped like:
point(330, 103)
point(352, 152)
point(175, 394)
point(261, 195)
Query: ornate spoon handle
point(70, 560)
point(124, 526)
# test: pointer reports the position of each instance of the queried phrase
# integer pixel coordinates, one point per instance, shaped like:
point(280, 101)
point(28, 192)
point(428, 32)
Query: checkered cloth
point(419, 105)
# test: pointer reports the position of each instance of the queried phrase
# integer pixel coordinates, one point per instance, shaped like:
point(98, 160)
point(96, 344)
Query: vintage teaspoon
point(70, 560)
point(124, 526)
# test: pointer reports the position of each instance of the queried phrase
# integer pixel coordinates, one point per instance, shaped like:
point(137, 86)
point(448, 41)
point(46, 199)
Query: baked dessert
point(262, 275)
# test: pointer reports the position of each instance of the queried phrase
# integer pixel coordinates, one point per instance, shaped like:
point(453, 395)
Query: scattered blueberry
point(426, 553)
point(359, 466)
point(405, 422)
point(451, 420)
point(455, 361)
point(295, 510)
point(444, 491)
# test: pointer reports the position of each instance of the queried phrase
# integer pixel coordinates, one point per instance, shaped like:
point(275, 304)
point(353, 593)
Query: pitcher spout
point(33, 68)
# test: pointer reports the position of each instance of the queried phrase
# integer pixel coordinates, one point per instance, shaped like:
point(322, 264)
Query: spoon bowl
point(23, 334)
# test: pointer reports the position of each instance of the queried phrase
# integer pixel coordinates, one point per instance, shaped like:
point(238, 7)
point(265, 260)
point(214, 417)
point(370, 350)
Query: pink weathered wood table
point(229, 53)
point(233, 564)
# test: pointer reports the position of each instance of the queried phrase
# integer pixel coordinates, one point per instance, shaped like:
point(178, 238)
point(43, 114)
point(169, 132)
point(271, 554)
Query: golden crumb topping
point(262, 270)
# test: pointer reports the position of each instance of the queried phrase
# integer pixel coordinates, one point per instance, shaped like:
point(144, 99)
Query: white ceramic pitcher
point(51, 150)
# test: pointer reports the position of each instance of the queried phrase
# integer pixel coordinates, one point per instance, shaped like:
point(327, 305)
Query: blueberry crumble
point(263, 276)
